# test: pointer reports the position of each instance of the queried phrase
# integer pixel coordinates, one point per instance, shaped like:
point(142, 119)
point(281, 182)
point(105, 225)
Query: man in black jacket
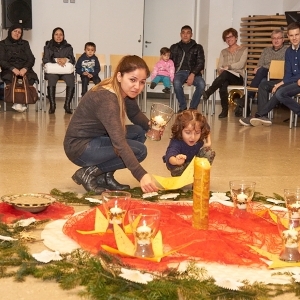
point(189, 60)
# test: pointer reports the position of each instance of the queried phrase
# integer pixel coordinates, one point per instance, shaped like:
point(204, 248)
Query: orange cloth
point(226, 240)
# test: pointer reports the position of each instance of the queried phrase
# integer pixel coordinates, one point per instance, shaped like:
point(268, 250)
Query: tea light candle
point(241, 197)
point(116, 215)
point(291, 238)
point(143, 235)
point(158, 122)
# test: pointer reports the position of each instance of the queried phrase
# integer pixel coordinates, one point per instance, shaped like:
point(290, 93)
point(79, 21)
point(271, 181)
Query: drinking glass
point(292, 201)
point(160, 115)
point(242, 193)
point(115, 204)
point(144, 223)
point(290, 239)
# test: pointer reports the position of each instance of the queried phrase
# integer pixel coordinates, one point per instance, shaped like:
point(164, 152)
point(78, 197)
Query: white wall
point(79, 20)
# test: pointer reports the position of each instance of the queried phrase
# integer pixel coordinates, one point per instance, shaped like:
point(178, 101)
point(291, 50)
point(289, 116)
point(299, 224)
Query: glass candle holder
point(145, 223)
point(115, 204)
point(160, 115)
point(290, 239)
point(242, 193)
point(292, 201)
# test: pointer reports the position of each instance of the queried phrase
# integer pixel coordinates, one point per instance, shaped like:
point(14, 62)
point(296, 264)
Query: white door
point(163, 21)
point(121, 30)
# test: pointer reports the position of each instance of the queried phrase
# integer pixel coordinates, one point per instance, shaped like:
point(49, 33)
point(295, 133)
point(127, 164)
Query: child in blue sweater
point(88, 66)
point(190, 137)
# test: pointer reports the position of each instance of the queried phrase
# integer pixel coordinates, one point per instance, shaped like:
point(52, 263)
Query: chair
point(114, 61)
point(43, 89)
point(103, 65)
point(231, 87)
point(151, 61)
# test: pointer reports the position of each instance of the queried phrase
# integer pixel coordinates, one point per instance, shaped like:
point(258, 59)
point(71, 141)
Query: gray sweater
point(98, 114)
point(269, 54)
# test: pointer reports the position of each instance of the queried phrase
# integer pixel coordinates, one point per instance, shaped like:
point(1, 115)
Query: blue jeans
point(261, 75)
point(164, 79)
point(100, 151)
point(285, 95)
point(179, 80)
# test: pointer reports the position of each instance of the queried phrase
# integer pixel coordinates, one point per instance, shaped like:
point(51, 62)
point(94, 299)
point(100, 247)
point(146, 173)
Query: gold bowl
point(33, 203)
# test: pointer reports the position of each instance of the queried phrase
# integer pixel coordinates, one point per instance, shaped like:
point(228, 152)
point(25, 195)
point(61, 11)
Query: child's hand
point(90, 75)
point(180, 159)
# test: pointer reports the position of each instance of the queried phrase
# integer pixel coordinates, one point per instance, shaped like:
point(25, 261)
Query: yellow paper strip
point(173, 183)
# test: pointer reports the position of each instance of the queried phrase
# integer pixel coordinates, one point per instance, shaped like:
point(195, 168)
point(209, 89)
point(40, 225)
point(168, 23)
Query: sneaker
point(246, 121)
point(18, 107)
point(153, 85)
point(261, 121)
point(166, 90)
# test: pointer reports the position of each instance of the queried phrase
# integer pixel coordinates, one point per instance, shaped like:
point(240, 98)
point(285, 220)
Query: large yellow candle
point(201, 191)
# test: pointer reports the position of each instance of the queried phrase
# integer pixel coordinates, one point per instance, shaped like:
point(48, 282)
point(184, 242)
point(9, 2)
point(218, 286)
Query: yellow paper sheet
point(173, 183)
point(276, 262)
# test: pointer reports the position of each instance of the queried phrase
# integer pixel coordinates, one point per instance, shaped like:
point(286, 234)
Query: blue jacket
point(88, 64)
point(291, 65)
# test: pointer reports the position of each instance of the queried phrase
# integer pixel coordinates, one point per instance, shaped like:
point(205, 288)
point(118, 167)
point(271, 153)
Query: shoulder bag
point(19, 91)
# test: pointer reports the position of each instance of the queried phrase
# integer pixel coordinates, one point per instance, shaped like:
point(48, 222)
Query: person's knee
point(177, 83)
point(142, 153)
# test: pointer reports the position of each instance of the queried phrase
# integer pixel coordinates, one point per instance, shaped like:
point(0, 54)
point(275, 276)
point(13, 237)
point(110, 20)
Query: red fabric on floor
point(226, 241)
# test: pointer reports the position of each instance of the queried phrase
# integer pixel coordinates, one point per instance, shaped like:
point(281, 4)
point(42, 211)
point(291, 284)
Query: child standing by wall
point(88, 66)
point(163, 71)
point(190, 137)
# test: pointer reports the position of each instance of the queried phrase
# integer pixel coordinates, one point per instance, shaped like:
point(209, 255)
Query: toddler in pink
point(163, 71)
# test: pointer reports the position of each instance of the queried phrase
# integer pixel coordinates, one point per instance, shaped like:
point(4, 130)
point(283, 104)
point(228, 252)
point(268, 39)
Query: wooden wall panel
point(255, 33)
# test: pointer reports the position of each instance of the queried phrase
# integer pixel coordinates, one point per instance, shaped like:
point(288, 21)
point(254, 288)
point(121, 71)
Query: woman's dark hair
point(55, 29)
point(186, 118)
point(227, 31)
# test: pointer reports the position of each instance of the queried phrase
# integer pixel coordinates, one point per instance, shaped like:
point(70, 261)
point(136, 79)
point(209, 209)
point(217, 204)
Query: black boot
point(224, 104)
point(51, 97)
point(108, 181)
point(88, 178)
point(69, 97)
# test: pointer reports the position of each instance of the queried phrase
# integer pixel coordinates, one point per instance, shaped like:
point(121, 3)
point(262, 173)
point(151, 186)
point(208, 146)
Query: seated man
point(283, 90)
point(276, 52)
point(188, 58)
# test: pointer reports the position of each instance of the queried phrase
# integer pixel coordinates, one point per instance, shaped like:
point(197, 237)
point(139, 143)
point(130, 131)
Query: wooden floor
point(32, 159)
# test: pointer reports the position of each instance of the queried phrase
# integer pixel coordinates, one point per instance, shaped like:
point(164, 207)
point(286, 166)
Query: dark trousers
point(261, 75)
point(222, 82)
point(85, 82)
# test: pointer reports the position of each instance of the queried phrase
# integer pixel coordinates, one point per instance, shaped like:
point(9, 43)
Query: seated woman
point(16, 58)
point(97, 138)
point(57, 50)
point(230, 69)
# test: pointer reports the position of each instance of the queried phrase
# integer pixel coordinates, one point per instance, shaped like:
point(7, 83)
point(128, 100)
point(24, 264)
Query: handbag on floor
point(55, 68)
point(19, 91)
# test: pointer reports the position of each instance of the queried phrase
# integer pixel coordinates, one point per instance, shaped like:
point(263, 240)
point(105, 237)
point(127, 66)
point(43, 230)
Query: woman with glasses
point(230, 69)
